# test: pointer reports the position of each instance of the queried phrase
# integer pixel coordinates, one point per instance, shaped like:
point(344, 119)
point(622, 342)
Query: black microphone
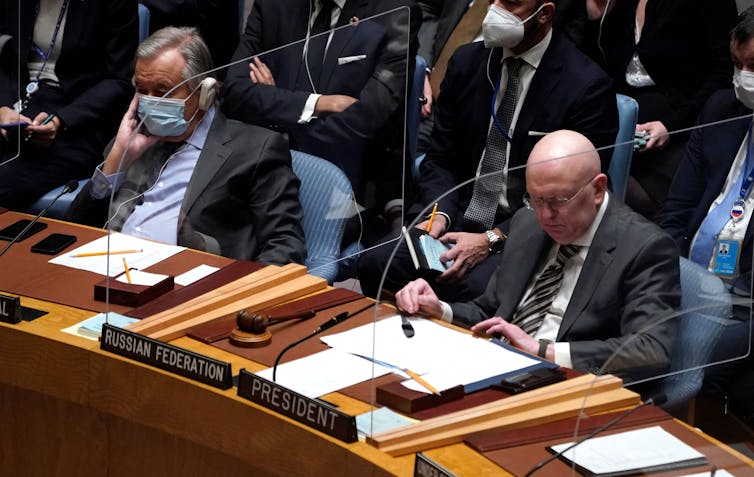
point(70, 186)
point(339, 318)
point(654, 400)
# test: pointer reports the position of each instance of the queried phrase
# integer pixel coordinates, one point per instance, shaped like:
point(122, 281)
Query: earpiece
point(207, 93)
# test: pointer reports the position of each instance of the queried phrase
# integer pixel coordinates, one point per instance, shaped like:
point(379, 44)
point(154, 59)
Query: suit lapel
point(597, 262)
point(546, 77)
point(213, 155)
point(340, 39)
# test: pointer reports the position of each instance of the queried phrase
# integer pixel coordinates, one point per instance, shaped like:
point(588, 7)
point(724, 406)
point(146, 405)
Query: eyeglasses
point(552, 203)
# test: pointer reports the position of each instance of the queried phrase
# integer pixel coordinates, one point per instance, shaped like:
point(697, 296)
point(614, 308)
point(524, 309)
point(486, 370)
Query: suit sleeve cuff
point(308, 113)
point(563, 354)
point(447, 312)
point(102, 185)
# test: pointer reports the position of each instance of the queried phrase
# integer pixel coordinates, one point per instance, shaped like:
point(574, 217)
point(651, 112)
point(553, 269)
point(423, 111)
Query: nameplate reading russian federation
point(10, 309)
point(426, 467)
point(305, 410)
point(166, 356)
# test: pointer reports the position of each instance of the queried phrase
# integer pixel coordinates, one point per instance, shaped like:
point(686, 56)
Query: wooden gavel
point(257, 322)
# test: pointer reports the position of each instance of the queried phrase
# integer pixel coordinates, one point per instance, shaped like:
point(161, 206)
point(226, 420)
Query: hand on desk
point(518, 337)
point(417, 296)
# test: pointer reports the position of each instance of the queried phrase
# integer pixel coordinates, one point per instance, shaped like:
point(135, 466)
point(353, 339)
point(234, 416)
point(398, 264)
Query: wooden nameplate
point(558, 401)
point(129, 294)
point(267, 287)
point(398, 397)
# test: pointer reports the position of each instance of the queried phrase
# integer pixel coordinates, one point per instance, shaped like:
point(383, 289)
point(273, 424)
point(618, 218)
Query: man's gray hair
point(188, 42)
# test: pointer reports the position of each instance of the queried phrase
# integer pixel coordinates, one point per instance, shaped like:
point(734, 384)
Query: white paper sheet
point(151, 253)
point(442, 356)
point(637, 449)
point(142, 278)
point(195, 274)
point(324, 372)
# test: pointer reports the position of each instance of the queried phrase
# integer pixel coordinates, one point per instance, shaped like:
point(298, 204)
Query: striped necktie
point(531, 312)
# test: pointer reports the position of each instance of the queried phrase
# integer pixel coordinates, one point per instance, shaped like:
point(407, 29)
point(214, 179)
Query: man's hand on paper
point(468, 251)
point(518, 337)
point(417, 296)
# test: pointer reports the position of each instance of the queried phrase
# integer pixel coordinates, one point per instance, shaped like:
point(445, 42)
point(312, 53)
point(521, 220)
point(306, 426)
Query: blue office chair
point(705, 306)
point(620, 164)
point(60, 208)
point(327, 202)
point(414, 106)
point(143, 22)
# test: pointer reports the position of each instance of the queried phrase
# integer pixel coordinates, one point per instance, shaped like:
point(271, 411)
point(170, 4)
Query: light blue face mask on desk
point(164, 116)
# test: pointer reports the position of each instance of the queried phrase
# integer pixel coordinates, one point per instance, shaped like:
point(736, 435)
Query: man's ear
point(547, 13)
point(600, 187)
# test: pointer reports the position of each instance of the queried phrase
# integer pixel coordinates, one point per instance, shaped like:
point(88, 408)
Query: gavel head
point(252, 322)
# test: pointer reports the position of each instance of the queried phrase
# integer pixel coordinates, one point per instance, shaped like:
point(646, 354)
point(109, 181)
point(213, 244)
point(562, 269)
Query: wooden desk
point(67, 408)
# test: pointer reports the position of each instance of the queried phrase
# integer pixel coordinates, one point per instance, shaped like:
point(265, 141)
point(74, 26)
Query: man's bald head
point(565, 185)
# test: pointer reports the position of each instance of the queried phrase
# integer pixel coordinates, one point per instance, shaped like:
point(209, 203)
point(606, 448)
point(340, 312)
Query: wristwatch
point(495, 242)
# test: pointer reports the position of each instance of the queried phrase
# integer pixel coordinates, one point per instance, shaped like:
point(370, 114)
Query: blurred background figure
point(75, 63)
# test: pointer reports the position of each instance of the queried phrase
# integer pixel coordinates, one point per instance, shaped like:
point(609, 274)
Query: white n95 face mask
point(743, 84)
point(502, 28)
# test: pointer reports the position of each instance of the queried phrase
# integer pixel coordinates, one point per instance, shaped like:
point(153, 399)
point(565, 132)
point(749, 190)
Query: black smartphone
point(53, 244)
point(10, 232)
point(531, 380)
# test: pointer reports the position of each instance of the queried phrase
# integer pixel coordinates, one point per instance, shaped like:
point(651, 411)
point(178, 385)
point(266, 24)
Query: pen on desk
point(48, 119)
point(111, 252)
point(128, 274)
point(421, 381)
point(432, 217)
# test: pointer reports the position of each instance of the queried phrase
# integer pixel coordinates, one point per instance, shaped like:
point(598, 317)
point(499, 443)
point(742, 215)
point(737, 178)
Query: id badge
point(726, 257)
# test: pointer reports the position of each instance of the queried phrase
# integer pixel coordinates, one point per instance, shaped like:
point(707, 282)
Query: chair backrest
point(620, 164)
point(414, 106)
point(327, 202)
point(59, 210)
point(143, 22)
point(705, 307)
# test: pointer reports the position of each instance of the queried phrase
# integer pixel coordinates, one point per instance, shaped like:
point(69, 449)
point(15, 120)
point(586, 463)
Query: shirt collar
point(586, 239)
point(339, 3)
point(532, 56)
point(199, 136)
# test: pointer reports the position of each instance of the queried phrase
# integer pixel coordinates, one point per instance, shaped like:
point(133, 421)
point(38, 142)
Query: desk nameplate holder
point(167, 357)
point(307, 411)
point(10, 309)
point(426, 467)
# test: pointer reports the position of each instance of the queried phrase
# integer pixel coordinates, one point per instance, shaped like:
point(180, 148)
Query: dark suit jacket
point(630, 280)
point(95, 64)
point(568, 91)
point(684, 47)
point(701, 175)
point(241, 201)
point(378, 81)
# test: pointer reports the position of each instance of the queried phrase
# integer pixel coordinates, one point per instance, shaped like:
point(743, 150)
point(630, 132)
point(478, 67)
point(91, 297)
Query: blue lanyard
point(749, 179)
point(492, 108)
point(46, 56)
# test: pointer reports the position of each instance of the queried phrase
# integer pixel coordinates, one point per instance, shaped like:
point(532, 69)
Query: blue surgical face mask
point(164, 116)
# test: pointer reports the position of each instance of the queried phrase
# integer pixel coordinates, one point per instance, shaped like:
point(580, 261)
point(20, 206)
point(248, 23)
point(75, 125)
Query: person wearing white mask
point(709, 211)
point(497, 97)
point(182, 173)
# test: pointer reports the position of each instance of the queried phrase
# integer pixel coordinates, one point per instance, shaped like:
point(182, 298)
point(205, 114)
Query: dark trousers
point(401, 270)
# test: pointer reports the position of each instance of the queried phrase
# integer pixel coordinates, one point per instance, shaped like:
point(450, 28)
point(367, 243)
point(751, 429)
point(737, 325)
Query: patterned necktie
point(531, 312)
point(486, 196)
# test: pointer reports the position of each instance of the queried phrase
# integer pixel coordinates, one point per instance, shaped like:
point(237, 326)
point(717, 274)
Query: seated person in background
point(191, 176)
point(709, 208)
point(217, 21)
point(75, 62)
point(581, 275)
point(670, 55)
point(555, 87)
point(342, 101)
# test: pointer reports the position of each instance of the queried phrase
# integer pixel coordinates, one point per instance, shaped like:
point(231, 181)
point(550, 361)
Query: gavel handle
point(301, 315)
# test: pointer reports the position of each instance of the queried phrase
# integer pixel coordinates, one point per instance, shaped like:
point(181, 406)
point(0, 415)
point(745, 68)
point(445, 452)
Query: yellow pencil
point(125, 266)
point(421, 381)
point(432, 217)
point(111, 252)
